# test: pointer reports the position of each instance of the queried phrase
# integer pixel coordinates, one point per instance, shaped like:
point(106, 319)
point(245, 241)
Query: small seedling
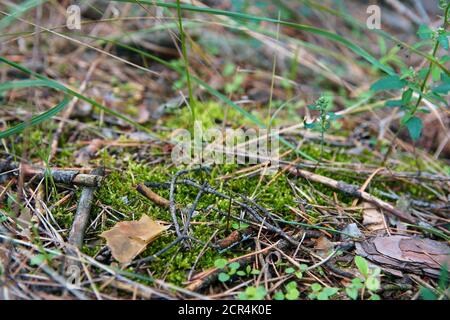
point(411, 81)
point(443, 289)
point(232, 269)
point(324, 120)
point(322, 293)
point(252, 293)
point(292, 292)
point(370, 280)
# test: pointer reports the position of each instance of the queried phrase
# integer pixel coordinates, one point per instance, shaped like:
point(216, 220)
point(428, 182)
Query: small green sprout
point(322, 293)
point(253, 293)
point(370, 280)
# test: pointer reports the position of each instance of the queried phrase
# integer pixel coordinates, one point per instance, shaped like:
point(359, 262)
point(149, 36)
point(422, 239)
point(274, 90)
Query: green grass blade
point(21, 9)
point(57, 85)
point(307, 28)
point(36, 119)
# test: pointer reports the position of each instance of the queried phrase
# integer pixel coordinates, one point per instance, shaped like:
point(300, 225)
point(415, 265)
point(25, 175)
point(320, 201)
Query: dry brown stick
point(81, 220)
point(156, 198)
point(68, 177)
point(354, 191)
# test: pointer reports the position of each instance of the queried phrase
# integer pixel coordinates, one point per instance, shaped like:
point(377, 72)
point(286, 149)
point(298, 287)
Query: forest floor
point(349, 206)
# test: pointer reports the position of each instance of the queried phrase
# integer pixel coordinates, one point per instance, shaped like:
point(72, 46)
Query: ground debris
point(415, 255)
point(129, 238)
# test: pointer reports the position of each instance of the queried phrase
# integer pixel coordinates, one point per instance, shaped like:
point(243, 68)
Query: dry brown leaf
point(372, 218)
point(129, 238)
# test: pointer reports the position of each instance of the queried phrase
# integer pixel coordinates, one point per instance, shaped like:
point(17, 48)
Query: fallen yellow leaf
point(129, 238)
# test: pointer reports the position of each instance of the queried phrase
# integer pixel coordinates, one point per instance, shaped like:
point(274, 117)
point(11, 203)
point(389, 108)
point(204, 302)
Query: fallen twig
point(149, 194)
point(68, 177)
point(81, 220)
point(353, 190)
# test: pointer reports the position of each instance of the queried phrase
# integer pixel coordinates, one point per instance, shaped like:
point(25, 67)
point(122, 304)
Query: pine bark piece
point(401, 253)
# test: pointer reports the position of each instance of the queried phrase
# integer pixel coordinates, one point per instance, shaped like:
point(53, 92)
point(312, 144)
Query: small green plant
point(324, 120)
point(297, 273)
point(411, 81)
point(443, 289)
point(239, 225)
point(292, 292)
point(322, 293)
point(231, 269)
point(253, 293)
point(236, 79)
point(370, 281)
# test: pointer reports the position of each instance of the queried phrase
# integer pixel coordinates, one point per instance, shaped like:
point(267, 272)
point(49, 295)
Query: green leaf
point(322, 296)
point(414, 125)
point(278, 296)
point(223, 277)
point(427, 294)
point(425, 32)
point(310, 125)
point(292, 294)
point(443, 88)
point(289, 270)
point(372, 283)
point(312, 296)
point(241, 273)
point(443, 277)
point(388, 83)
point(37, 259)
point(291, 285)
point(242, 296)
point(394, 103)
point(220, 263)
point(407, 96)
point(357, 283)
point(228, 70)
point(352, 293)
point(362, 265)
point(375, 297)
point(316, 287)
point(330, 291)
point(443, 41)
point(234, 265)
point(303, 267)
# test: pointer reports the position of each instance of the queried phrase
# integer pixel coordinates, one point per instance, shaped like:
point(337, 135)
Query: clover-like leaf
point(362, 265)
point(220, 263)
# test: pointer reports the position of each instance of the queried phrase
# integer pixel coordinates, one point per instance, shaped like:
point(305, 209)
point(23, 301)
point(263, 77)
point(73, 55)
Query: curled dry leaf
point(129, 238)
point(415, 255)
